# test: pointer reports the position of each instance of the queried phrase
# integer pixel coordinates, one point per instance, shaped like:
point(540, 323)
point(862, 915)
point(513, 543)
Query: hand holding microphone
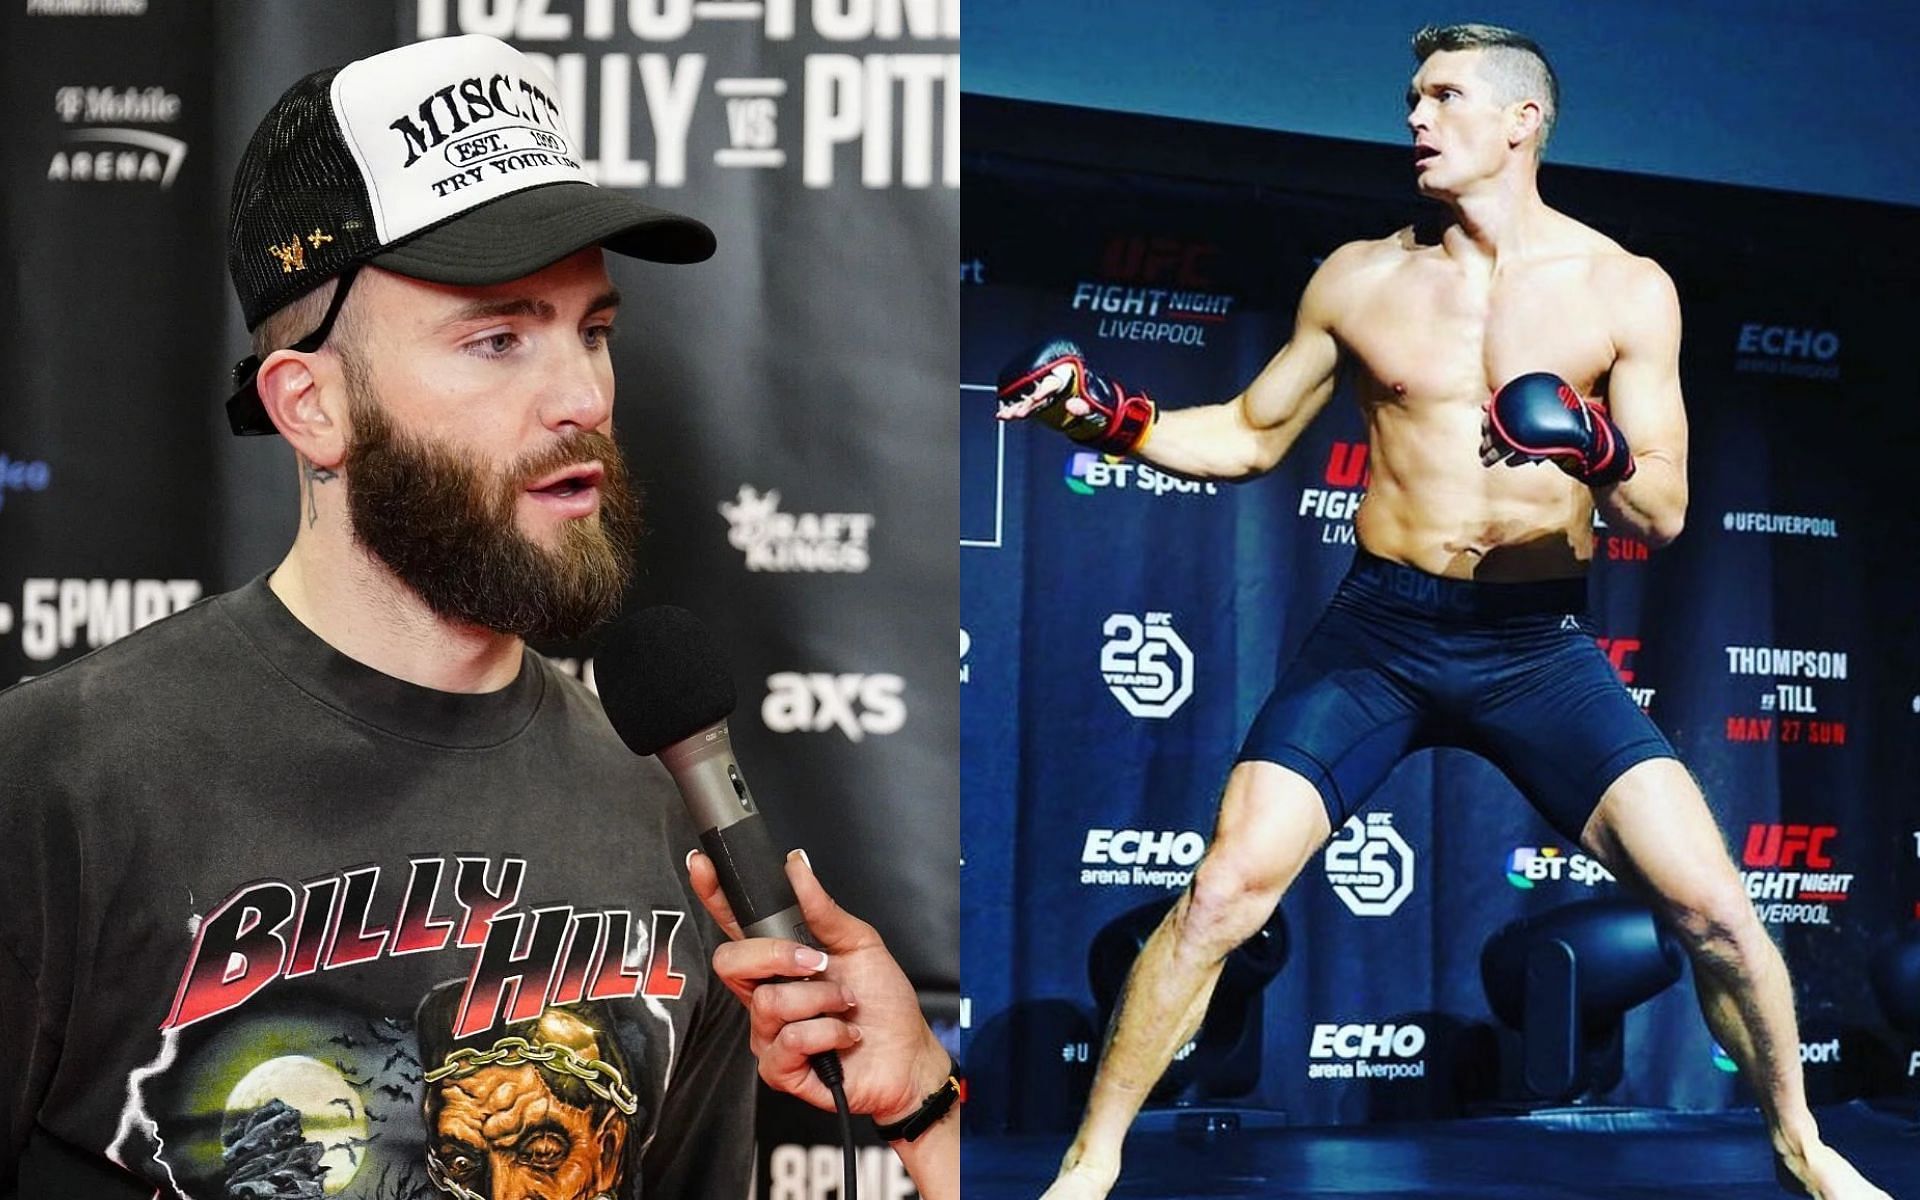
point(861, 1004)
point(666, 691)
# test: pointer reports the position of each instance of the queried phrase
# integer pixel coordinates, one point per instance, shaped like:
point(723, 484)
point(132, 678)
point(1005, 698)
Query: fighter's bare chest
point(1440, 332)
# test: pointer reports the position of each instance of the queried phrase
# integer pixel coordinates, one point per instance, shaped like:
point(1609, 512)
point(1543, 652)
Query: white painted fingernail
point(689, 860)
point(809, 958)
point(803, 857)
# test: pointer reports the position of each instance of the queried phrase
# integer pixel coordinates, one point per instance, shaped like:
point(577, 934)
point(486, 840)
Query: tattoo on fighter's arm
point(311, 475)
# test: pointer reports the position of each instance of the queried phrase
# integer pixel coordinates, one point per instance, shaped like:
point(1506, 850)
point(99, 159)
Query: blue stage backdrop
point(1122, 627)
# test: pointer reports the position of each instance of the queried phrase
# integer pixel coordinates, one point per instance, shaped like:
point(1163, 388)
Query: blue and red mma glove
point(1117, 420)
point(1539, 416)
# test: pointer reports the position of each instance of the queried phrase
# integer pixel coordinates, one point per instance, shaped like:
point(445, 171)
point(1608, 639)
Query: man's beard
point(446, 527)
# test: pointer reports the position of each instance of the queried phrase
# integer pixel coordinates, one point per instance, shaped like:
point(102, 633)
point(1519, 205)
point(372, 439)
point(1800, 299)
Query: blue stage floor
point(1637, 1157)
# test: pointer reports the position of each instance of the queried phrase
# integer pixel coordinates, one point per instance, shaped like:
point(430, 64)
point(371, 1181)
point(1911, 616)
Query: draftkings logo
point(1789, 873)
point(1528, 867)
point(1154, 289)
point(1162, 858)
point(1346, 477)
point(1088, 472)
point(1370, 866)
point(1369, 1051)
point(1146, 664)
point(103, 149)
point(1791, 696)
point(1787, 350)
point(815, 702)
point(776, 541)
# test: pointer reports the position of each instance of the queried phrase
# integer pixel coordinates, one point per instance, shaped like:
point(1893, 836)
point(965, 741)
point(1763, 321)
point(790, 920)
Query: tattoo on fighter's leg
point(312, 475)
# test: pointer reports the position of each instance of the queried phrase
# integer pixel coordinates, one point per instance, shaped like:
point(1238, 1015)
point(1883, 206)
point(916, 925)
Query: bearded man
point(246, 842)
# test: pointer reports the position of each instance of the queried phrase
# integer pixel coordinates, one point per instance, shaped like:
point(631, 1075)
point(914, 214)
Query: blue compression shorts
point(1403, 660)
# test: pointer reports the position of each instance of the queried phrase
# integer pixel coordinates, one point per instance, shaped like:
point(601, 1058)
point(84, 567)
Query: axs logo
point(815, 701)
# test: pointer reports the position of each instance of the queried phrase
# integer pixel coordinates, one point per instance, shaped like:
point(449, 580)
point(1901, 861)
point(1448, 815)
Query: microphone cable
point(827, 1067)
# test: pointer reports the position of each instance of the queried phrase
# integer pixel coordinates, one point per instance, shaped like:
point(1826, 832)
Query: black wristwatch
point(935, 1106)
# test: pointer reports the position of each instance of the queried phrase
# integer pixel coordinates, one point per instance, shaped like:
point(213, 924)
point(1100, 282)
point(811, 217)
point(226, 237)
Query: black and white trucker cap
point(447, 160)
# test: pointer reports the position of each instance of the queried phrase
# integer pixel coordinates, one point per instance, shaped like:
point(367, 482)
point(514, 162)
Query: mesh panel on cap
point(299, 212)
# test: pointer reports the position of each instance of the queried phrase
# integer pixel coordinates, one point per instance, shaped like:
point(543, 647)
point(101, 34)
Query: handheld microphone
point(666, 689)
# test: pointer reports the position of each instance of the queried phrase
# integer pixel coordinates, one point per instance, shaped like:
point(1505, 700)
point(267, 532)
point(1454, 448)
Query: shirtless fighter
point(1453, 623)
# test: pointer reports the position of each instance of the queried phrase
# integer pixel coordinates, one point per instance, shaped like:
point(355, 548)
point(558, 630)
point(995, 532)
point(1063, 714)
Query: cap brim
point(511, 238)
point(522, 233)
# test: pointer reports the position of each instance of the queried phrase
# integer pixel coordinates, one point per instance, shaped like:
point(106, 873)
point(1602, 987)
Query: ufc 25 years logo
point(815, 701)
point(1370, 865)
point(1146, 664)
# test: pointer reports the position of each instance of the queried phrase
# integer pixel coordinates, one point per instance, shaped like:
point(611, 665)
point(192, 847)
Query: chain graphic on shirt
point(601, 1078)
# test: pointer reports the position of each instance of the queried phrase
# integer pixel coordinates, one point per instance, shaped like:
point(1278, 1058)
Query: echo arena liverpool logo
point(1162, 858)
point(1367, 1051)
point(1762, 349)
point(1370, 866)
point(1146, 664)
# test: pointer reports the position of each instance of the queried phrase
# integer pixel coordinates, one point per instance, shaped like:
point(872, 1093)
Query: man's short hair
point(300, 316)
point(1513, 63)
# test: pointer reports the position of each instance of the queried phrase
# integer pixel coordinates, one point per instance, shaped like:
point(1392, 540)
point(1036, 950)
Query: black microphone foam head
point(661, 678)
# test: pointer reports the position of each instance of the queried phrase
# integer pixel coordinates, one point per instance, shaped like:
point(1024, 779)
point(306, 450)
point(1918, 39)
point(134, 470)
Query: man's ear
point(1525, 122)
point(304, 397)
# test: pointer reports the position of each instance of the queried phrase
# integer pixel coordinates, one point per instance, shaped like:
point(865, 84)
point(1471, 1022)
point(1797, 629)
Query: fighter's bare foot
point(1820, 1172)
point(1082, 1181)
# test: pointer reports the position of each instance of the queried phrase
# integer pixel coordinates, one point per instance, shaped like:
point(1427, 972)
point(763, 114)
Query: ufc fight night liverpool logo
point(1146, 664)
point(1370, 866)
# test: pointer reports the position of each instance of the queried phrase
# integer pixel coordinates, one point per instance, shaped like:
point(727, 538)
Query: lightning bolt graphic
point(635, 958)
point(134, 1114)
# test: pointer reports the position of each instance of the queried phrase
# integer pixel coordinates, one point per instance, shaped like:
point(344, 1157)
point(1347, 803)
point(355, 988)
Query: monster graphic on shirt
point(286, 1069)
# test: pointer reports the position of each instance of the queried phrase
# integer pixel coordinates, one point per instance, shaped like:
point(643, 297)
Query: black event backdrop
point(791, 380)
point(1122, 627)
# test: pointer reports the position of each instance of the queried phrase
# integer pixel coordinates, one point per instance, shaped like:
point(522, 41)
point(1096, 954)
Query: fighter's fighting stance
point(1462, 620)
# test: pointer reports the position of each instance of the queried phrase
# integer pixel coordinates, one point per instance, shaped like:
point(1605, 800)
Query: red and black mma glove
point(1539, 416)
point(1117, 420)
